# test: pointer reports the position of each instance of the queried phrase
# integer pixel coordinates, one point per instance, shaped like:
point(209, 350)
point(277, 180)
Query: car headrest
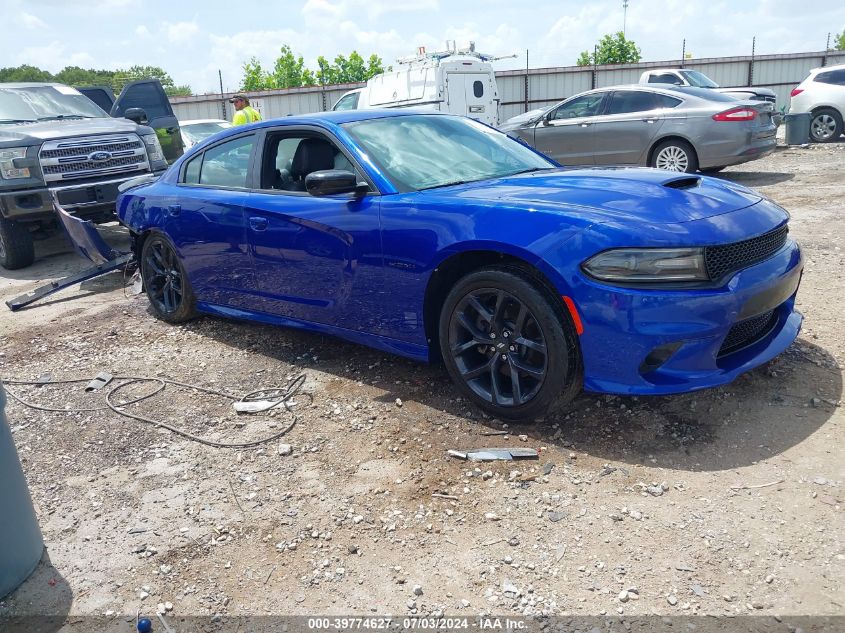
point(312, 154)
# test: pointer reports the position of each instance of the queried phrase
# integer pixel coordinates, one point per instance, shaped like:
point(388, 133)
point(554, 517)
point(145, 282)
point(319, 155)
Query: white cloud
point(142, 31)
point(53, 57)
point(30, 21)
point(181, 32)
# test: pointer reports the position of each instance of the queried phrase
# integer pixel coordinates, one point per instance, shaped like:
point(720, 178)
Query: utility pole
point(222, 97)
point(624, 16)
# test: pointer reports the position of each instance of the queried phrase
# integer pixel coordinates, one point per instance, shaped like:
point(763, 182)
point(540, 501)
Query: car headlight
point(8, 170)
point(153, 147)
point(633, 265)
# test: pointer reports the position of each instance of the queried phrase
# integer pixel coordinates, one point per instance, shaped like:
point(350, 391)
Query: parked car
point(697, 79)
point(145, 102)
point(822, 94)
point(443, 238)
point(460, 82)
point(55, 140)
point(668, 127)
point(196, 130)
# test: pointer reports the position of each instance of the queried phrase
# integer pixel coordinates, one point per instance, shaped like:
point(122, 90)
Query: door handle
point(258, 223)
point(649, 120)
point(587, 124)
point(174, 210)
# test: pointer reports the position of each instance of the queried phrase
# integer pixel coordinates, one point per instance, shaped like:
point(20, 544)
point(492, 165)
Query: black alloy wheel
point(165, 282)
point(506, 347)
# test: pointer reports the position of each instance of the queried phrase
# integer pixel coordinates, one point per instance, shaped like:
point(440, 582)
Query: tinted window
point(588, 105)
point(665, 101)
point(698, 80)
point(146, 96)
point(227, 164)
point(279, 170)
point(478, 89)
point(99, 96)
point(630, 101)
point(835, 77)
point(348, 102)
point(665, 78)
point(192, 171)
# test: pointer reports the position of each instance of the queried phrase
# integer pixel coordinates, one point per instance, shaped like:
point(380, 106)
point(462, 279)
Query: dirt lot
point(721, 503)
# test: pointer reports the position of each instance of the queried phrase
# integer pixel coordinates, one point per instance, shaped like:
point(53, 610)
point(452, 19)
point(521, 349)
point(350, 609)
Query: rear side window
point(478, 89)
point(665, 78)
point(834, 77)
point(625, 101)
point(665, 101)
point(192, 171)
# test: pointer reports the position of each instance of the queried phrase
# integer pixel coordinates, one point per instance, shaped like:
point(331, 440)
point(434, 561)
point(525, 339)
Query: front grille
point(68, 161)
point(747, 332)
point(729, 258)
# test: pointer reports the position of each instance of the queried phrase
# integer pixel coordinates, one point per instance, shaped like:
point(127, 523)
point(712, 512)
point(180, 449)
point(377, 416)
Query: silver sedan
point(668, 127)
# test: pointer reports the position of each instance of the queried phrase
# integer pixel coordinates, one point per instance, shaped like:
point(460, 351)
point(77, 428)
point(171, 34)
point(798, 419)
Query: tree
point(289, 71)
point(611, 49)
point(254, 76)
point(326, 73)
point(24, 72)
point(839, 41)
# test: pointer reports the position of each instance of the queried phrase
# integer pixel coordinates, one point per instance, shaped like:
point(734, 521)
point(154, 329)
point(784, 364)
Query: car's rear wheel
point(506, 347)
point(17, 249)
point(826, 125)
point(165, 281)
point(674, 155)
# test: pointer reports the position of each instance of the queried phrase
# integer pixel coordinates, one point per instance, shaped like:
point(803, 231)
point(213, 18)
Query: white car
point(196, 130)
point(822, 94)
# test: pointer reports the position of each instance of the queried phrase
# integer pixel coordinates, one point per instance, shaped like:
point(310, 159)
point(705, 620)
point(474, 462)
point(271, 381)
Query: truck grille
point(729, 258)
point(69, 160)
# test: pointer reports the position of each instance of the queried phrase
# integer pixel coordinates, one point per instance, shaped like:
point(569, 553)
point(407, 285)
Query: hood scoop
point(684, 182)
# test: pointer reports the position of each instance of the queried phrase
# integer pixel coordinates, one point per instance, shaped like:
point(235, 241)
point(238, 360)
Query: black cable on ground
point(281, 397)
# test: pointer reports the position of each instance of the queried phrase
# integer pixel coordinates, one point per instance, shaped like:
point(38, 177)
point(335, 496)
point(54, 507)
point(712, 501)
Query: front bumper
point(83, 200)
point(623, 326)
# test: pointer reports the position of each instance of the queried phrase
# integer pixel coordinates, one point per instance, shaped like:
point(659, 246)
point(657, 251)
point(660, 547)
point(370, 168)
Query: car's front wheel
point(505, 345)
point(674, 155)
point(165, 281)
point(826, 125)
point(17, 249)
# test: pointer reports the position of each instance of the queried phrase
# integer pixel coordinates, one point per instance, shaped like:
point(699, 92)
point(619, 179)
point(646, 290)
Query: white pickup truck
point(687, 77)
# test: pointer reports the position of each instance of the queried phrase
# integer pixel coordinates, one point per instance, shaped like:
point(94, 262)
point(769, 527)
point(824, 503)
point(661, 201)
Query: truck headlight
point(633, 265)
point(153, 147)
point(8, 170)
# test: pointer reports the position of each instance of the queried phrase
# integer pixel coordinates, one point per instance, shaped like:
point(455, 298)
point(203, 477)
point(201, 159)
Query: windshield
point(45, 103)
point(199, 131)
point(699, 80)
point(425, 151)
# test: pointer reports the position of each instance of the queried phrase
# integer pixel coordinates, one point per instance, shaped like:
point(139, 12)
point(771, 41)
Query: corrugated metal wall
point(546, 86)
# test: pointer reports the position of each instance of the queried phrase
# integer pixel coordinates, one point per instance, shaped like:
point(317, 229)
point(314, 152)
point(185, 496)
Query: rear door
point(566, 134)
point(473, 95)
point(625, 130)
point(101, 95)
point(149, 95)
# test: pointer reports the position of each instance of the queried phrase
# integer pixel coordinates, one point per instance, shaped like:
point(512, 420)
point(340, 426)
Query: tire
point(825, 126)
point(538, 372)
point(17, 249)
point(674, 155)
point(165, 281)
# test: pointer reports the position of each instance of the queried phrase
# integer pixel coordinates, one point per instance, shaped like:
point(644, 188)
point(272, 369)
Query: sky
point(192, 40)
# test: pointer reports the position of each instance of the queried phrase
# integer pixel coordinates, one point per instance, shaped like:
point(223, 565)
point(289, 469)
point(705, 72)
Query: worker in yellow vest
point(245, 113)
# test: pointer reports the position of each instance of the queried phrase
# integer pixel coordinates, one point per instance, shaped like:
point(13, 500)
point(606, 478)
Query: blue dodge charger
point(438, 238)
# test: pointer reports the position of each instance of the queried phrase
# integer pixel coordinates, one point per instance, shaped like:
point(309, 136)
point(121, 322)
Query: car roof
point(194, 121)
point(822, 69)
point(340, 117)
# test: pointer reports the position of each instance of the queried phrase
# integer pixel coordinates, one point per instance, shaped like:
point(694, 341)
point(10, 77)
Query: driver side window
point(289, 158)
point(588, 105)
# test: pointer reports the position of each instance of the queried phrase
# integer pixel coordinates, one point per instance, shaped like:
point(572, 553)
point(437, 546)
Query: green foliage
point(114, 79)
point(289, 71)
point(839, 41)
point(611, 49)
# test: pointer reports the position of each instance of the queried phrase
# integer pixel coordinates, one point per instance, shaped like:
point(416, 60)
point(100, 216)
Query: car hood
point(521, 119)
point(615, 194)
point(36, 133)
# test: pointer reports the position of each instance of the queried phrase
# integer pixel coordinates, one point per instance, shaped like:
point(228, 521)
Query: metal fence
point(520, 91)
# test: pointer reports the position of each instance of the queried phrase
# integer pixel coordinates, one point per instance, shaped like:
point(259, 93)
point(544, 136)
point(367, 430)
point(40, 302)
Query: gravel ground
point(727, 502)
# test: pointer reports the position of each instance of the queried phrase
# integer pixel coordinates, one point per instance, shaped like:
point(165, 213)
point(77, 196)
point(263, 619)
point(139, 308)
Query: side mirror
point(333, 181)
point(138, 115)
point(547, 118)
